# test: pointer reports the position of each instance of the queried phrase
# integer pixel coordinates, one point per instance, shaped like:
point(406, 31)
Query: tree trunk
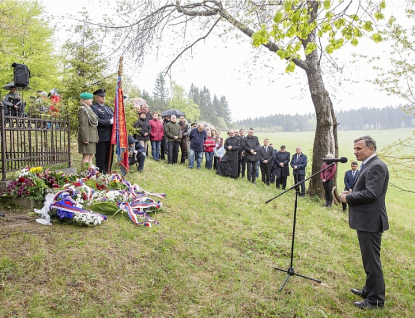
point(325, 138)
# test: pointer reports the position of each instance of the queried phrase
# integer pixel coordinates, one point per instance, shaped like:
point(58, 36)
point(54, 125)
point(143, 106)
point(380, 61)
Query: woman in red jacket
point(156, 136)
point(208, 147)
point(327, 177)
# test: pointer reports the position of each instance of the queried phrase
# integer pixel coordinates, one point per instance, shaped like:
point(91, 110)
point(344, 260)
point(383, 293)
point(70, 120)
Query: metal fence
point(33, 140)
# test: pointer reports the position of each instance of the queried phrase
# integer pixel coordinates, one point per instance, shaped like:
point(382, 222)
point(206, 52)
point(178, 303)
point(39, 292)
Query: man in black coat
point(265, 159)
point(105, 115)
point(367, 215)
point(299, 163)
point(143, 128)
point(251, 146)
point(281, 164)
point(242, 158)
point(228, 164)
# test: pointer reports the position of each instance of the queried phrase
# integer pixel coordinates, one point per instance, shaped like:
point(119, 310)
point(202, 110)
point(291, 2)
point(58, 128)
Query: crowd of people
point(164, 137)
point(235, 156)
point(43, 102)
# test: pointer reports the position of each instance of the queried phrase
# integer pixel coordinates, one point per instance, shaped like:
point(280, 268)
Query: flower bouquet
point(27, 185)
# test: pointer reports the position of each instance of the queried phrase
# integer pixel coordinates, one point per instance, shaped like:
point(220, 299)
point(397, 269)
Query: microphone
point(331, 160)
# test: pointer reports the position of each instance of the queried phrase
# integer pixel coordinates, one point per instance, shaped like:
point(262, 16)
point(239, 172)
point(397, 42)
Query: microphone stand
point(290, 271)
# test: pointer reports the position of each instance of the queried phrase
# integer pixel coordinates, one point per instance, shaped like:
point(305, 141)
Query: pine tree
point(161, 93)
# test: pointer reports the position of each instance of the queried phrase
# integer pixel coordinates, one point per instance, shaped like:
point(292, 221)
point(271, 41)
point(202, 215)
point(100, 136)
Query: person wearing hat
point(87, 130)
point(105, 115)
point(136, 153)
point(12, 102)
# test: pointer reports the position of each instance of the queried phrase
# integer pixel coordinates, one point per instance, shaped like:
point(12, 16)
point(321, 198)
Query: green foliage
point(26, 38)
point(397, 77)
point(295, 33)
point(131, 116)
point(85, 69)
point(181, 102)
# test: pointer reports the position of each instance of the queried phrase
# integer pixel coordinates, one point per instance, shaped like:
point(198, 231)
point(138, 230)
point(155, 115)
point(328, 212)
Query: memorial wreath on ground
point(84, 199)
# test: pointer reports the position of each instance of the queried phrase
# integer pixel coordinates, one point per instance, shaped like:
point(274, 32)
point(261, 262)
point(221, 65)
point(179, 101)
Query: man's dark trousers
point(266, 172)
point(173, 152)
point(103, 156)
point(370, 243)
point(299, 178)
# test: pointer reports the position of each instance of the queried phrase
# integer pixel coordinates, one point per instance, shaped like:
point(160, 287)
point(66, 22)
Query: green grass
point(213, 254)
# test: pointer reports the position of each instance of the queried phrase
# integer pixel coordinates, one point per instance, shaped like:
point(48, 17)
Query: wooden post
point(120, 67)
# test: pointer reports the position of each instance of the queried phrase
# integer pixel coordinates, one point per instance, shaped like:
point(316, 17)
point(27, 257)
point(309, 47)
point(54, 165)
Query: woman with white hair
point(327, 177)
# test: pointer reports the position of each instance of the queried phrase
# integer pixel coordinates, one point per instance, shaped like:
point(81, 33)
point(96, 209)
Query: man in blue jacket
point(349, 178)
point(299, 163)
point(197, 139)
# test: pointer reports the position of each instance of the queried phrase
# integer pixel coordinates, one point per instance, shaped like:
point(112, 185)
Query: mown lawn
point(213, 254)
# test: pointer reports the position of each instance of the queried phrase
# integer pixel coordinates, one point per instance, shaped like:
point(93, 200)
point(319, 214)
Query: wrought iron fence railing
point(35, 139)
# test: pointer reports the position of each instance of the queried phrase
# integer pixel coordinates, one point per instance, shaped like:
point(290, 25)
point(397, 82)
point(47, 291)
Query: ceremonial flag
point(119, 129)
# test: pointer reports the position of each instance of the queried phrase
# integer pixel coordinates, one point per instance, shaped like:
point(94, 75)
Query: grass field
point(213, 253)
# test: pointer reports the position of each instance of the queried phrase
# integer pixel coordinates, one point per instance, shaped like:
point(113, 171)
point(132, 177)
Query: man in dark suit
point(265, 159)
point(251, 146)
point(299, 163)
point(349, 178)
point(103, 156)
point(367, 214)
point(282, 170)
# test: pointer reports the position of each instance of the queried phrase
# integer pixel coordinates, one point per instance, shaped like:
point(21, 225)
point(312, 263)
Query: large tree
point(85, 69)
point(26, 38)
point(299, 32)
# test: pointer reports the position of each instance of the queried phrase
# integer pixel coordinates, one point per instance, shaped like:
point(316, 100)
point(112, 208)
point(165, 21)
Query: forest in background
point(354, 119)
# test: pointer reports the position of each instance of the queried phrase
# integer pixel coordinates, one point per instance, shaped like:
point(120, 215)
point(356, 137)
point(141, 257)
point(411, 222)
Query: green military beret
point(86, 95)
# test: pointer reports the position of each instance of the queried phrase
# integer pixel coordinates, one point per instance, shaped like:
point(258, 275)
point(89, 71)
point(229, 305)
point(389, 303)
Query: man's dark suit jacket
point(301, 163)
point(282, 157)
point(266, 155)
point(367, 210)
point(251, 143)
point(349, 179)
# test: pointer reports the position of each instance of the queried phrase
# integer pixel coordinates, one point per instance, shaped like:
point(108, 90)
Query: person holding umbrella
point(171, 112)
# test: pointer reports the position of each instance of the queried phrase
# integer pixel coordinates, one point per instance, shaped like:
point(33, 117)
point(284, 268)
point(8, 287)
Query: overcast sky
point(227, 69)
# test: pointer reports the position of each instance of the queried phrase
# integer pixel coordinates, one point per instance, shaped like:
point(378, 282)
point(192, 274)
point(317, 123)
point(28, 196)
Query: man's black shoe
point(363, 304)
point(358, 292)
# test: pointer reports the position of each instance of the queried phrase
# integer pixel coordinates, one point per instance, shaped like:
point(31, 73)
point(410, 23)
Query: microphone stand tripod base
point(290, 272)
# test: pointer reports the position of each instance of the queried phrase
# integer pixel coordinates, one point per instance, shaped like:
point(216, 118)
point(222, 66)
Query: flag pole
point(120, 70)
